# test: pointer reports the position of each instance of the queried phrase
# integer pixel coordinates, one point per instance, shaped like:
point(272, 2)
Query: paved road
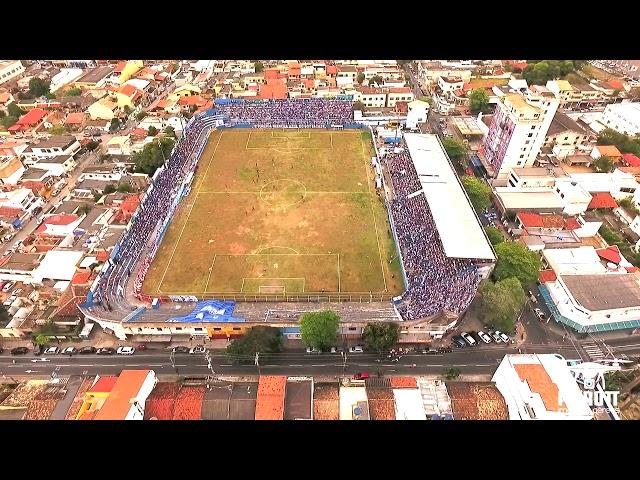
point(478, 360)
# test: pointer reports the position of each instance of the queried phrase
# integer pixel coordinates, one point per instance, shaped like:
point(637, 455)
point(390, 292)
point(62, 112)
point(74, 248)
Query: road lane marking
point(226, 365)
point(296, 365)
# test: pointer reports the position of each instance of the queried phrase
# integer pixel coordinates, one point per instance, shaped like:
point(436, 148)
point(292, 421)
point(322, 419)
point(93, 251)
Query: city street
point(476, 360)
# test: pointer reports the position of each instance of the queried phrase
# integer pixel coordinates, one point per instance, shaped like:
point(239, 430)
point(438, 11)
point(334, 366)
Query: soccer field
point(279, 212)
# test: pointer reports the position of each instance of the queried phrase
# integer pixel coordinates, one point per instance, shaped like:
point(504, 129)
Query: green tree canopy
point(38, 87)
point(14, 110)
point(115, 124)
point(479, 192)
point(152, 131)
point(495, 235)
point(73, 92)
point(452, 373)
point(623, 142)
point(127, 109)
point(4, 315)
point(92, 145)
point(258, 67)
point(124, 187)
point(84, 209)
point(501, 303)
point(380, 337)
point(109, 189)
point(359, 106)
point(360, 78)
point(57, 130)
point(456, 150)
point(319, 329)
point(540, 72)
point(629, 205)
point(377, 79)
point(257, 340)
point(41, 340)
point(604, 164)
point(141, 115)
point(516, 260)
point(478, 100)
point(153, 155)
point(169, 131)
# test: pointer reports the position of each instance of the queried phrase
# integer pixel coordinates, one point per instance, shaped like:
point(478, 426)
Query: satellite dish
point(357, 411)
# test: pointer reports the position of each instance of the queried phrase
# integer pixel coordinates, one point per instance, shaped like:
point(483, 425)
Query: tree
point(610, 236)
point(628, 204)
point(4, 315)
point(429, 100)
point(258, 67)
point(501, 303)
point(152, 131)
point(153, 155)
point(127, 110)
point(8, 121)
point(14, 110)
point(623, 142)
point(140, 115)
point(73, 92)
point(456, 150)
point(319, 329)
point(92, 145)
point(360, 78)
point(96, 197)
point(124, 187)
point(359, 106)
point(478, 100)
point(38, 87)
point(516, 260)
point(377, 79)
point(380, 337)
point(452, 373)
point(104, 157)
point(115, 124)
point(257, 340)
point(41, 340)
point(604, 164)
point(495, 235)
point(109, 189)
point(84, 209)
point(169, 131)
point(57, 130)
point(479, 192)
point(174, 67)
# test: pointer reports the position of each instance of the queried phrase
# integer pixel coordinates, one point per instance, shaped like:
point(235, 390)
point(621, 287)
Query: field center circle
point(283, 193)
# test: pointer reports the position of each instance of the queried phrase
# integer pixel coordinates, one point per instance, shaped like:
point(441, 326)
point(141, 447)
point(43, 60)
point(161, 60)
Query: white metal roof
point(58, 265)
point(460, 230)
point(409, 405)
point(581, 260)
point(529, 198)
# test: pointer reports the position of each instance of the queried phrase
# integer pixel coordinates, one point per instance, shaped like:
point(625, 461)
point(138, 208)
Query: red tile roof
point(631, 160)
point(4, 97)
point(610, 151)
point(64, 219)
point(545, 276)
point(196, 100)
point(571, 223)
point(540, 382)
point(531, 220)
point(126, 388)
point(120, 66)
point(403, 382)
point(129, 90)
point(273, 89)
point(611, 254)
point(272, 74)
point(32, 117)
point(615, 84)
point(102, 256)
point(81, 278)
point(75, 118)
point(104, 384)
point(270, 398)
point(139, 132)
point(631, 269)
point(332, 70)
point(602, 200)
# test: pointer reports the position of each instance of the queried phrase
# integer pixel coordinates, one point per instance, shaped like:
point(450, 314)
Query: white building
point(66, 76)
point(540, 387)
point(19, 199)
point(10, 69)
point(518, 130)
point(55, 146)
point(417, 113)
point(623, 118)
point(57, 166)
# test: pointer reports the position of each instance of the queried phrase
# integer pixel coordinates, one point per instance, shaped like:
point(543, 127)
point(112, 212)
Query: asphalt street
point(476, 360)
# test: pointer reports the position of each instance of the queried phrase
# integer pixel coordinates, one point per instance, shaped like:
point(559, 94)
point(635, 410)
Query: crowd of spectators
point(298, 113)
point(436, 282)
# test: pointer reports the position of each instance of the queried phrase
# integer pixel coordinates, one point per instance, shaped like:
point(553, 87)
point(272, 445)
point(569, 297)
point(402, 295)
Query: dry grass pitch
point(279, 212)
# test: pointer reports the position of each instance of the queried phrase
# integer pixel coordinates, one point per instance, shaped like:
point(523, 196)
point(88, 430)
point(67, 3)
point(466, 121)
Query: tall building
point(10, 69)
point(623, 118)
point(518, 130)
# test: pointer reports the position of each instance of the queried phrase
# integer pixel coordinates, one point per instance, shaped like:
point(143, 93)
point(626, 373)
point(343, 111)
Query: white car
point(16, 292)
point(540, 315)
point(484, 337)
point(356, 349)
point(51, 351)
point(69, 351)
point(496, 337)
point(125, 350)
point(313, 350)
point(197, 349)
point(8, 287)
point(469, 339)
point(504, 338)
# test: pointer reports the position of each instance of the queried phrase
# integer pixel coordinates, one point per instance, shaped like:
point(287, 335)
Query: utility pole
point(173, 361)
point(344, 362)
point(257, 362)
point(164, 160)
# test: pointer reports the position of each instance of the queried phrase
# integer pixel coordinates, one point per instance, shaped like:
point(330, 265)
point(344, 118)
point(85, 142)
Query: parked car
point(8, 237)
point(532, 297)
point(356, 349)
point(504, 337)
point(1, 350)
point(484, 337)
point(430, 351)
point(52, 351)
point(125, 350)
point(56, 192)
point(141, 347)
point(180, 349)
point(16, 292)
point(88, 350)
point(106, 351)
point(334, 350)
point(19, 350)
point(458, 341)
point(361, 376)
point(69, 351)
point(313, 350)
point(541, 315)
point(468, 338)
point(445, 349)
point(496, 337)
point(8, 301)
point(198, 349)
point(8, 286)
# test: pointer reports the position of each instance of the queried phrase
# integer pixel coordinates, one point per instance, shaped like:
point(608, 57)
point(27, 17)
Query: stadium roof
point(460, 230)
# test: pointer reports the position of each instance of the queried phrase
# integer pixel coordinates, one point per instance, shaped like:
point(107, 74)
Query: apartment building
point(10, 69)
point(623, 118)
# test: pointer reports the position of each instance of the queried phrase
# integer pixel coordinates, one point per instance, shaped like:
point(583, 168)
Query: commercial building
point(540, 387)
point(10, 69)
point(623, 118)
point(518, 130)
point(567, 137)
point(55, 146)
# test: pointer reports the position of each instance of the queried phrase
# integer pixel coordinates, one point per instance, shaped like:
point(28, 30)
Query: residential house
point(105, 109)
point(11, 169)
point(186, 91)
point(94, 78)
point(17, 203)
point(10, 69)
point(610, 151)
point(57, 166)
point(57, 145)
point(119, 145)
point(30, 123)
point(567, 137)
point(39, 180)
point(128, 96)
point(75, 121)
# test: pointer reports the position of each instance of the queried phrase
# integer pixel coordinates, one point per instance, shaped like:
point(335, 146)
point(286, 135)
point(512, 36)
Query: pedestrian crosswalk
point(593, 350)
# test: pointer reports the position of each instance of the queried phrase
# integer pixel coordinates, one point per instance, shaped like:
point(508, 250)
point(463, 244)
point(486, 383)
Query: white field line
point(210, 271)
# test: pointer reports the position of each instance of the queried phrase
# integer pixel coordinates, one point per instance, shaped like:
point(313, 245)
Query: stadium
point(270, 208)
